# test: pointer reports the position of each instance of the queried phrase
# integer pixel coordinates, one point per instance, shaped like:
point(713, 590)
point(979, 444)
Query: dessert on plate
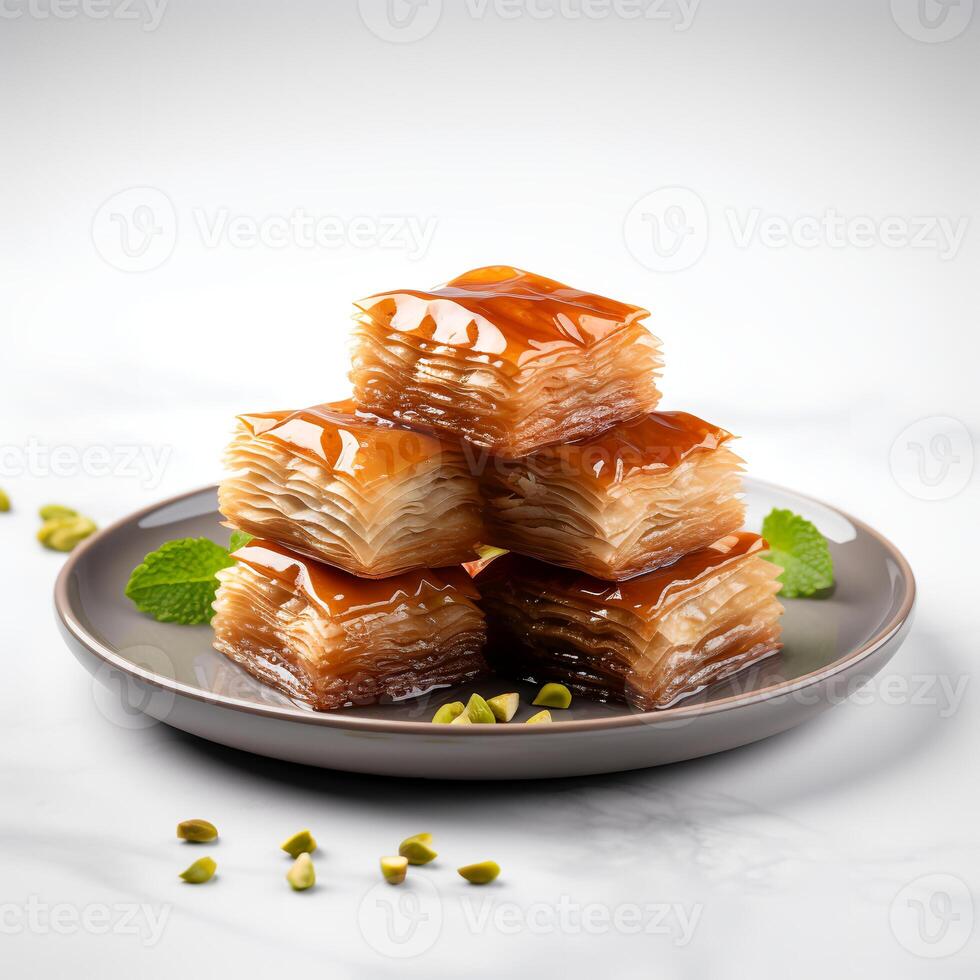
point(649, 641)
point(358, 492)
point(330, 640)
point(507, 359)
point(637, 496)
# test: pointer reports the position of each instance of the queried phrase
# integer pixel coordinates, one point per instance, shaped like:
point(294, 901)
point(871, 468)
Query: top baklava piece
point(359, 493)
point(510, 360)
point(634, 498)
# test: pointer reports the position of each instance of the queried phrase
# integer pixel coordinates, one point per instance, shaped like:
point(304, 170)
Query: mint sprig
point(801, 550)
point(176, 583)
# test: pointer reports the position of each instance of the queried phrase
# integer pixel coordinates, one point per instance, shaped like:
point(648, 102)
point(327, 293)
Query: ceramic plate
point(170, 672)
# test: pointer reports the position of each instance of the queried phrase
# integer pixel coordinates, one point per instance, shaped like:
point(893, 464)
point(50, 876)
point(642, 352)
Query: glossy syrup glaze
point(502, 312)
point(339, 593)
point(337, 436)
point(655, 441)
point(642, 595)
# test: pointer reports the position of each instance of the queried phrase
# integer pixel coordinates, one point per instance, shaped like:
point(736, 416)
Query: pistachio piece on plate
point(301, 843)
point(481, 873)
point(448, 713)
point(478, 711)
point(394, 869)
point(417, 849)
point(541, 718)
point(198, 831)
point(302, 874)
point(504, 706)
point(200, 871)
point(553, 696)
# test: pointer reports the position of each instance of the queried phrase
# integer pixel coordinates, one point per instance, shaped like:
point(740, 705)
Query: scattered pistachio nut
point(479, 711)
point(50, 511)
point(553, 696)
point(488, 551)
point(481, 873)
point(417, 849)
point(63, 533)
point(301, 843)
point(447, 713)
point(197, 831)
point(200, 871)
point(394, 869)
point(4, 501)
point(462, 719)
point(541, 718)
point(504, 706)
point(301, 875)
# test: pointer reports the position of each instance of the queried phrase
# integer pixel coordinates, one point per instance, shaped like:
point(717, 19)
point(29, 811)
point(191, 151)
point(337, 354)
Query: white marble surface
point(847, 847)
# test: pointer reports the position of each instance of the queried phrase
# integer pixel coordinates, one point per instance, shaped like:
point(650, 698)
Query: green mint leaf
point(239, 539)
point(176, 583)
point(801, 550)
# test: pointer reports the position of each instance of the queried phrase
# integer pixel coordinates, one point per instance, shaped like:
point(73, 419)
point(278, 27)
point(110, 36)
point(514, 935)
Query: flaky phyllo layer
point(650, 641)
point(635, 498)
point(330, 640)
point(359, 493)
point(507, 359)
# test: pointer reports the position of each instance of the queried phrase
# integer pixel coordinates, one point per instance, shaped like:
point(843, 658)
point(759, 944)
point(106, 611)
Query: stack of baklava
point(509, 411)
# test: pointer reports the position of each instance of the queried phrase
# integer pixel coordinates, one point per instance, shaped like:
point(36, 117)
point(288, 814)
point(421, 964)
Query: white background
point(524, 139)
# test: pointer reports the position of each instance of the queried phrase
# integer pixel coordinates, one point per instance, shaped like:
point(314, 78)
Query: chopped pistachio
point(488, 551)
point(4, 501)
point(448, 712)
point(504, 706)
point(198, 831)
point(479, 711)
point(200, 871)
point(480, 874)
point(50, 511)
point(302, 874)
point(554, 696)
point(541, 718)
point(417, 849)
point(63, 533)
point(301, 843)
point(394, 869)
point(462, 719)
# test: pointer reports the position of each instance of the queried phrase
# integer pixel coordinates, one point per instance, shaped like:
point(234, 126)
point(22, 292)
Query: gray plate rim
point(70, 623)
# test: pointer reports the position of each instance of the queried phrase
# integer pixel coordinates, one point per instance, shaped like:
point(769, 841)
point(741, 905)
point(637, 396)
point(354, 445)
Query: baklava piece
point(649, 641)
point(505, 358)
point(357, 492)
point(634, 498)
point(330, 640)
